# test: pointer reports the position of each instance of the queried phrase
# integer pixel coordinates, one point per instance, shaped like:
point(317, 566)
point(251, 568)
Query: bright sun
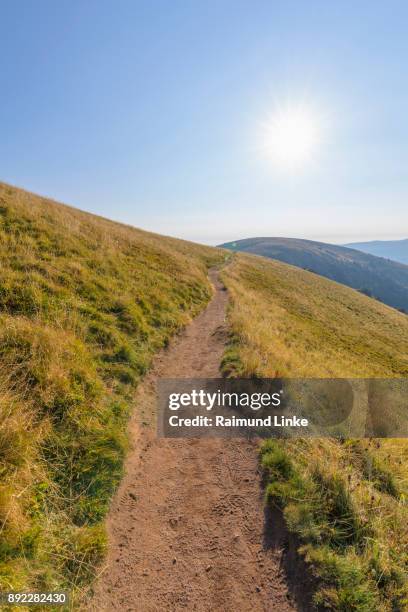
point(291, 137)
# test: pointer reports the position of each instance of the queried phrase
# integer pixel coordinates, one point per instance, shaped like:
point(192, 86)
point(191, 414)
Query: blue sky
point(150, 112)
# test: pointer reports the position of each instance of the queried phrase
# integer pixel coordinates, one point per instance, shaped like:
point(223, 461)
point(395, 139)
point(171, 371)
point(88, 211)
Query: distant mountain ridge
point(397, 250)
point(375, 276)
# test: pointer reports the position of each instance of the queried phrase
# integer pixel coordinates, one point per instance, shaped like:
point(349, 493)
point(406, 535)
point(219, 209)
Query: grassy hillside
point(391, 249)
point(346, 501)
point(84, 304)
point(380, 278)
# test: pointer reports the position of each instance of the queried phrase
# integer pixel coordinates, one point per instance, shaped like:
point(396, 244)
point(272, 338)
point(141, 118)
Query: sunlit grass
point(347, 501)
point(84, 305)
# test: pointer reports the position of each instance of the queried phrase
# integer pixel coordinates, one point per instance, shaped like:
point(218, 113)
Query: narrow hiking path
point(186, 527)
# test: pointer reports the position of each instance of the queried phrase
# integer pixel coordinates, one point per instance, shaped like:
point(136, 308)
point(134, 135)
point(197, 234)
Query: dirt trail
point(186, 526)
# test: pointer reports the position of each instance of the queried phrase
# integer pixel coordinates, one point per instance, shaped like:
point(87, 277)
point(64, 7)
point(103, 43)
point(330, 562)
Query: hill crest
point(385, 280)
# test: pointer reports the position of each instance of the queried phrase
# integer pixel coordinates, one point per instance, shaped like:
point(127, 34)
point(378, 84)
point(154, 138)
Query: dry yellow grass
point(346, 500)
point(84, 305)
point(292, 322)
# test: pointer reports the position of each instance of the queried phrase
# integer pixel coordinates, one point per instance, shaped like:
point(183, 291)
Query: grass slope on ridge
point(377, 277)
point(346, 501)
point(84, 304)
point(293, 322)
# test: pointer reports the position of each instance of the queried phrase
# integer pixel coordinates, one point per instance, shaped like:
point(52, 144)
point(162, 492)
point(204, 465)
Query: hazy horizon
point(215, 121)
point(210, 238)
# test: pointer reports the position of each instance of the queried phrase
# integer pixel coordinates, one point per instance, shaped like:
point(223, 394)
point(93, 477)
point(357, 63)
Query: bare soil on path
point(186, 526)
